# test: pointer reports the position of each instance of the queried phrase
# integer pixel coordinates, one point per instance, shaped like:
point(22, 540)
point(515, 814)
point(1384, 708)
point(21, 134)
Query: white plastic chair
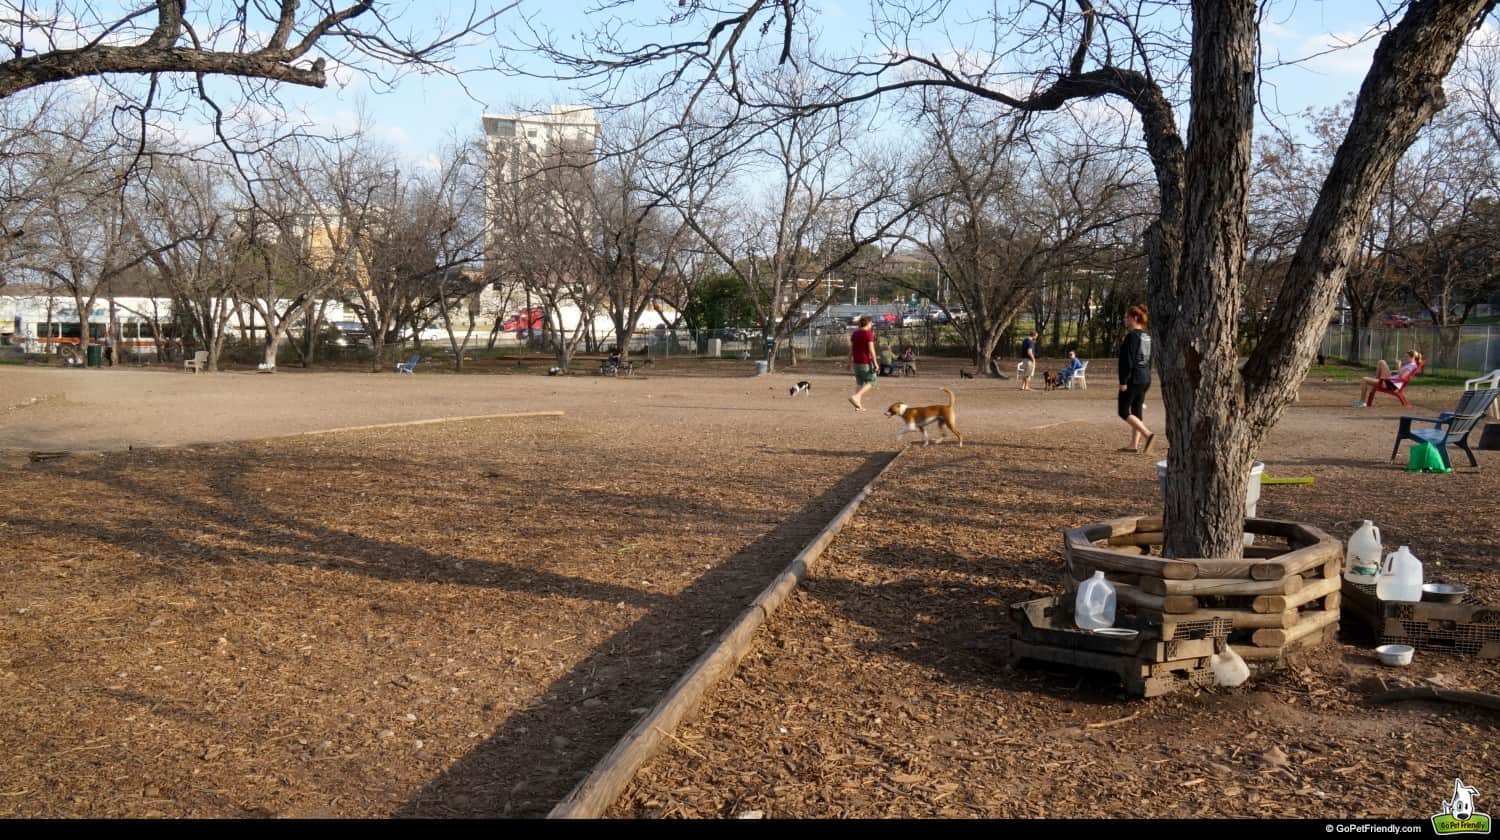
point(1484, 383)
point(198, 363)
point(1078, 377)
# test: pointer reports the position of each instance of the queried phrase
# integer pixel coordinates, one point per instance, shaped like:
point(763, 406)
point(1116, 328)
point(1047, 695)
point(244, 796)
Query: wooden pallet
point(1140, 678)
point(1470, 628)
point(1148, 666)
point(1049, 621)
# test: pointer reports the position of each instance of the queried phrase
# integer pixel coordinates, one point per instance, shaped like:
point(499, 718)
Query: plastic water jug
point(1400, 577)
point(1094, 607)
point(1229, 667)
point(1362, 556)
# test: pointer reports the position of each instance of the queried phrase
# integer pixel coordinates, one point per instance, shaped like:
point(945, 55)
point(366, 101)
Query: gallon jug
point(1094, 607)
point(1362, 557)
point(1229, 667)
point(1400, 577)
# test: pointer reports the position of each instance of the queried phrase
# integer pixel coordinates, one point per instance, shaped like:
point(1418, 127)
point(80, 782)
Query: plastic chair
point(1489, 380)
point(198, 362)
point(1395, 386)
point(1078, 376)
point(1449, 427)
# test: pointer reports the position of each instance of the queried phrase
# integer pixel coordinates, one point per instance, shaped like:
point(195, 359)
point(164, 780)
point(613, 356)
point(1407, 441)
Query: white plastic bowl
point(1396, 655)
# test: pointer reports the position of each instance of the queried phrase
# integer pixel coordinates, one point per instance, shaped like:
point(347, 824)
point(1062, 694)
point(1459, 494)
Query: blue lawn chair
point(1449, 427)
point(408, 366)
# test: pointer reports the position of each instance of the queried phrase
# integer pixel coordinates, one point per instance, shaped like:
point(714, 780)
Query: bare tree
point(543, 229)
point(288, 42)
point(822, 203)
point(1010, 206)
point(86, 225)
point(186, 200)
point(1218, 414)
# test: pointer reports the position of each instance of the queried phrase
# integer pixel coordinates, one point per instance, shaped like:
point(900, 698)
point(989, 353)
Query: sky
point(422, 114)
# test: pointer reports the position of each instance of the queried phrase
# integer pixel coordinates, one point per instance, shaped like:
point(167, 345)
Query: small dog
point(802, 388)
point(918, 418)
point(965, 374)
point(1050, 378)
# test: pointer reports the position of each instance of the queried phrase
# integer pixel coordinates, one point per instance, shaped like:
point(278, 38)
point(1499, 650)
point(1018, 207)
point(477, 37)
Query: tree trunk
point(1210, 461)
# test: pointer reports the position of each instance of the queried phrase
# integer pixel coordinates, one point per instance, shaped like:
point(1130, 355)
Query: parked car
point(351, 334)
point(737, 333)
point(523, 319)
point(937, 316)
point(912, 319)
point(887, 318)
point(1396, 322)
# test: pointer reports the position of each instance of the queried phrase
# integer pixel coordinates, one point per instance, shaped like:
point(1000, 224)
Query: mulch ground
point(881, 689)
point(445, 620)
point(460, 619)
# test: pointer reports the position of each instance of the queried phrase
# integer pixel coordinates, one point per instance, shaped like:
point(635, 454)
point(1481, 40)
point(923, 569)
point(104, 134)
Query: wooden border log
point(1081, 571)
point(1222, 586)
point(1138, 538)
point(1173, 605)
point(602, 786)
point(1107, 560)
point(1309, 593)
point(1247, 569)
point(1310, 622)
point(1311, 557)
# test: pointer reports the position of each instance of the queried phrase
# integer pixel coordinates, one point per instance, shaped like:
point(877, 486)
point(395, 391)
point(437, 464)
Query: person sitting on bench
point(887, 361)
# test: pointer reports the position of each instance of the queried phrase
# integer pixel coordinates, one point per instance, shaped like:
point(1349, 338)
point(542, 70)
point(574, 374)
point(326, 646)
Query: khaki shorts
point(1025, 368)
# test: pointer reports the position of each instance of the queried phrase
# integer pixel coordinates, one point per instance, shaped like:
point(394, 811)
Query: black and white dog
point(802, 388)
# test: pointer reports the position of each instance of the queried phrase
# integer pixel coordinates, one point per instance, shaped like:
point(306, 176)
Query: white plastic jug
point(1362, 557)
point(1400, 577)
point(1094, 608)
point(1229, 667)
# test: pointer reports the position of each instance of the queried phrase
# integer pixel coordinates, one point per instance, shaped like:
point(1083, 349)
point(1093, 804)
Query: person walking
point(862, 353)
point(1028, 361)
point(1135, 377)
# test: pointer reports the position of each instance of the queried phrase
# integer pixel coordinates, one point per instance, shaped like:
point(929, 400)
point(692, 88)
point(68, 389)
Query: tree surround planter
point(1282, 594)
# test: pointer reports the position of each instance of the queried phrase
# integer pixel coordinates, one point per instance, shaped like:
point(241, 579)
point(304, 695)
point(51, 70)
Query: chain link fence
point(1469, 349)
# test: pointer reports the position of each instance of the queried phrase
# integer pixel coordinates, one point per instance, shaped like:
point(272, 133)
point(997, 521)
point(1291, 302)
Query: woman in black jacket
point(1135, 377)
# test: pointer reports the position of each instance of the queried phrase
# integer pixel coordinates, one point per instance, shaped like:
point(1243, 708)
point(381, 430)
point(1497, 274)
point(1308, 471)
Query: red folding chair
point(1395, 386)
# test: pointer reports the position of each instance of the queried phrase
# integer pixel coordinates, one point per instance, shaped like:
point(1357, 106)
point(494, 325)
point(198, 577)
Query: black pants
point(1131, 399)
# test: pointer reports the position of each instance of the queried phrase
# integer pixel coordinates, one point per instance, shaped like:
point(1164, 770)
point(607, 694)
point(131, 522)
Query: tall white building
point(537, 162)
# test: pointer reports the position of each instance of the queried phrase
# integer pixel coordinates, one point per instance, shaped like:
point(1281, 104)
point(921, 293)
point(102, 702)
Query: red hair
point(1141, 314)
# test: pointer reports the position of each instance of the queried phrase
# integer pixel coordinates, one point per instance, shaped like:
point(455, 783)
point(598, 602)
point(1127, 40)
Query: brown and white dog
point(919, 417)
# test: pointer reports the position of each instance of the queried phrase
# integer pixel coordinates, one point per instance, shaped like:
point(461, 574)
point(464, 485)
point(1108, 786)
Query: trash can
point(761, 366)
point(1252, 492)
point(715, 348)
point(96, 355)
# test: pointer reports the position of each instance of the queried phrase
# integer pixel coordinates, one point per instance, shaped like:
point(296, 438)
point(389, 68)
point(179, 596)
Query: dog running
point(803, 387)
point(965, 374)
point(919, 417)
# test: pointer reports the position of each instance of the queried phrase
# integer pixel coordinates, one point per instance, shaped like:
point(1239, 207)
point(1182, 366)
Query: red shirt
point(860, 344)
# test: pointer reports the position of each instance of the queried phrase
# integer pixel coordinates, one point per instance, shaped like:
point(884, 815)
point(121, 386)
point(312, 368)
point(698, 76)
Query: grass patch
point(1435, 377)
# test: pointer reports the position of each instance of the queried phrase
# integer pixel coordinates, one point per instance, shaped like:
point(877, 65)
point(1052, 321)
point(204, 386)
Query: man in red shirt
point(862, 354)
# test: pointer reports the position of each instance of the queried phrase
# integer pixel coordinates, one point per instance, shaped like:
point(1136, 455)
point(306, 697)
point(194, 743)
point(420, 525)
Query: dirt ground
point(459, 619)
